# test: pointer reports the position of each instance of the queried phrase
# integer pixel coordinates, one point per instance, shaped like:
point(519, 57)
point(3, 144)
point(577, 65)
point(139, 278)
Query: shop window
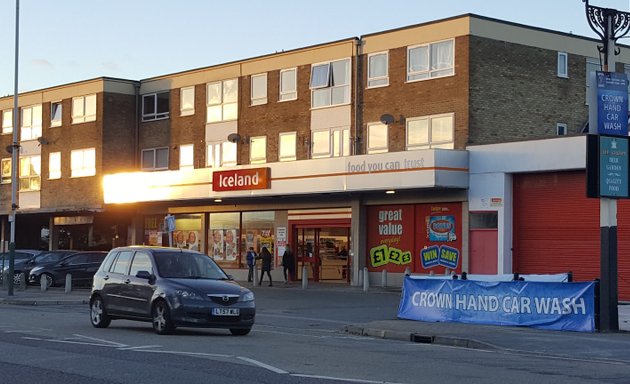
point(258, 230)
point(223, 238)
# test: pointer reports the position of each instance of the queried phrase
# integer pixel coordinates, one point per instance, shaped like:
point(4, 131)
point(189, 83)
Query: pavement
point(603, 346)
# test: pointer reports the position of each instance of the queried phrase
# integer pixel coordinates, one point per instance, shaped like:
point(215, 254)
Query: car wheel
point(98, 314)
point(161, 315)
point(16, 278)
point(240, 331)
point(50, 280)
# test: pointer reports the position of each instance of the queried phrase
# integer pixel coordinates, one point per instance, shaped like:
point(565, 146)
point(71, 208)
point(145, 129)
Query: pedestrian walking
point(251, 263)
point(288, 264)
point(265, 256)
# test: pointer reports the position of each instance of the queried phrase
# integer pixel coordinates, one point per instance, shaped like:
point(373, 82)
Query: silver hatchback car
point(171, 288)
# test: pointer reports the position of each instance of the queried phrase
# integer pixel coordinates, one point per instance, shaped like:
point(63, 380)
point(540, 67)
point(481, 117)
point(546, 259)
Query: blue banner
point(612, 103)
point(556, 306)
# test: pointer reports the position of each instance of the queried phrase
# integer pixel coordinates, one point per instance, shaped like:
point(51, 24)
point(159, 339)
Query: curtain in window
point(378, 66)
point(442, 55)
point(319, 76)
point(419, 59)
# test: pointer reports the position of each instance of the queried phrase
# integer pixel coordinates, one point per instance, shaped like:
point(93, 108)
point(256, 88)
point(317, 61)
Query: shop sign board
point(613, 167)
point(612, 103)
point(241, 179)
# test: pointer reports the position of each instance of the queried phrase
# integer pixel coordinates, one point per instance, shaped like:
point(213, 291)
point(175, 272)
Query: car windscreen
point(49, 257)
point(185, 265)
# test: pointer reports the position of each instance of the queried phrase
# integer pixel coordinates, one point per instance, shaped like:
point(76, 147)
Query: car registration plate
point(225, 311)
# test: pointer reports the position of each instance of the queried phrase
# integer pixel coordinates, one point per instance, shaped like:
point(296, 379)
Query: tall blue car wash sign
point(612, 103)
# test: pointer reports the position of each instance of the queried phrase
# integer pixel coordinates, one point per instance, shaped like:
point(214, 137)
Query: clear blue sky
point(64, 41)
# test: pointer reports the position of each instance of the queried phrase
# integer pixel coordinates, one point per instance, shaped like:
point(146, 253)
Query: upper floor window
point(31, 122)
point(288, 84)
point(221, 154)
point(430, 132)
point(83, 109)
point(55, 114)
point(377, 138)
point(187, 101)
point(430, 60)
point(563, 64)
point(154, 159)
point(334, 142)
point(186, 156)
point(259, 89)
point(330, 83)
point(222, 101)
point(155, 106)
point(30, 173)
point(5, 171)
point(258, 150)
point(83, 162)
point(378, 70)
point(54, 165)
point(287, 146)
point(7, 121)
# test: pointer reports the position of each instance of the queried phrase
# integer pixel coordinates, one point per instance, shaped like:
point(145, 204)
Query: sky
point(66, 41)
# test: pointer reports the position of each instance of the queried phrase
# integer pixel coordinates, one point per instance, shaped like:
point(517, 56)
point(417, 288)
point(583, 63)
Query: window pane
point(336, 143)
point(6, 171)
point(319, 76)
point(162, 103)
point(77, 108)
point(340, 95)
point(442, 129)
point(442, 55)
point(141, 262)
point(90, 107)
point(55, 114)
point(187, 99)
point(210, 155)
point(377, 65)
point(321, 143)
point(37, 118)
point(259, 88)
point(54, 165)
point(258, 149)
point(186, 155)
point(377, 138)
point(346, 142)
point(148, 158)
point(418, 59)
point(230, 111)
point(213, 93)
point(27, 117)
point(7, 121)
point(287, 146)
point(321, 97)
point(287, 81)
point(214, 113)
point(228, 152)
point(148, 105)
point(161, 158)
point(230, 91)
point(341, 72)
point(417, 132)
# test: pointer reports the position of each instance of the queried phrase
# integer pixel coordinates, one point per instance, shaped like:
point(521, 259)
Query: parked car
point(81, 265)
point(44, 258)
point(20, 256)
point(169, 287)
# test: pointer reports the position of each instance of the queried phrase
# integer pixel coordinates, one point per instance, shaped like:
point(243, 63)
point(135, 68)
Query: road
point(297, 339)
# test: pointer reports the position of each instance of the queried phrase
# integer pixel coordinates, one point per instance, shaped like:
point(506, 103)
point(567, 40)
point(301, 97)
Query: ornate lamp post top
point(609, 24)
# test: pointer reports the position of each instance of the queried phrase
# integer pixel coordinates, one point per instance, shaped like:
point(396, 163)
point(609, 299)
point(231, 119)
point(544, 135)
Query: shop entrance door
point(324, 251)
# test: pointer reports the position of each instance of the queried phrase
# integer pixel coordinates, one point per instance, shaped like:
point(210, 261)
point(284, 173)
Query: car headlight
point(247, 296)
point(185, 294)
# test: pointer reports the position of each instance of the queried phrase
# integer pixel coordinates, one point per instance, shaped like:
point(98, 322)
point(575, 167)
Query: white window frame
point(31, 126)
point(447, 144)
point(56, 122)
point(83, 162)
point(187, 107)
point(590, 62)
point(155, 114)
point(7, 121)
point(286, 152)
point(338, 142)
point(324, 94)
point(378, 81)
point(371, 146)
point(186, 156)
point(5, 177)
point(54, 165)
point(291, 93)
point(31, 180)
point(226, 109)
point(217, 152)
point(563, 65)
point(259, 96)
point(429, 72)
point(83, 109)
point(561, 129)
point(255, 144)
point(155, 151)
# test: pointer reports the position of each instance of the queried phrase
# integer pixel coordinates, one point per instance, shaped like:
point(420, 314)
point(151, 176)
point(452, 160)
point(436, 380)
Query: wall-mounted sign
point(613, 166)
point(241, 179)
point(612, 103)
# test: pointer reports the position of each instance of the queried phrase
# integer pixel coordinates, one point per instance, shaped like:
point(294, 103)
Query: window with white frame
point(5, 171)
point(288, 84)
point(330, 83)
point(259, 89)
point(430, 60)
point(377, 141)
point(334, 142)
point(7, 121)
point(186, 156)
point(83, 162)
point(83, 109)
point(155, 106)
point(221, 154)
point(563, 64)
point(258, 150)
point(430, 132)
point(287, 146)
point(592, 65)
point(222, 101)
point(561, 129)
point(54, 165)
point(30, 173)
point(31, 123)
point(378, 69)
point(187, 101)
point(154, 159)
point(55, 114)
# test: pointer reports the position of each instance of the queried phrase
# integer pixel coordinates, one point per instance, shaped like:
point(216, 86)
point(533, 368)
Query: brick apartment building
point(352, 152)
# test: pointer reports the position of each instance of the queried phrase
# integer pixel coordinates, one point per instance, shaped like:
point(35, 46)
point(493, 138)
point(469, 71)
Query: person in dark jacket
point(251, 263)
point(265, 256)
point(288, 264)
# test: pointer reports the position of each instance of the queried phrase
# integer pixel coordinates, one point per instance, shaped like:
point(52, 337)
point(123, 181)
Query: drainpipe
point(136, 139)
point(358, 95)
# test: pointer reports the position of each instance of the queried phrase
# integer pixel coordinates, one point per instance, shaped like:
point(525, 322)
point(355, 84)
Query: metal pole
point(15, 149)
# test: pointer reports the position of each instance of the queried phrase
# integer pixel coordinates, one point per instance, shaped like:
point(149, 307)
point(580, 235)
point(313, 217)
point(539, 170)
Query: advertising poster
point(216, 244)
point(438, 238)
point(231, 245)
point(192, 240)
point(390, 237)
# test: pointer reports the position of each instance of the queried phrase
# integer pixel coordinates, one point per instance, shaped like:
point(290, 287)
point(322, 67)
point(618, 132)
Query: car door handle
point(127, 281)
point(106, 277)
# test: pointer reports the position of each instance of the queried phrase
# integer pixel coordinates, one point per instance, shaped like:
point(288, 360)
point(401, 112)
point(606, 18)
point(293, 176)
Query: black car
point(169, 287)
point(20, 256)
point(44, 258)
point(81, 266)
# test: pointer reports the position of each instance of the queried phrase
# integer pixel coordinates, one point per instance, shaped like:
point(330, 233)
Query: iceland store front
point(389, 211)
